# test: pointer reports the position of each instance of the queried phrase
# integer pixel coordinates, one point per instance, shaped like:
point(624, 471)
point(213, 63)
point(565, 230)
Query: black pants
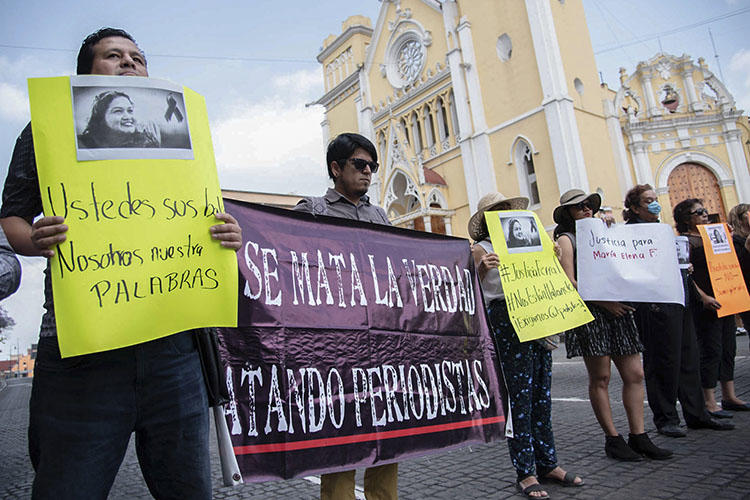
point(670, 363)
point(718, 346)
point(746, 322)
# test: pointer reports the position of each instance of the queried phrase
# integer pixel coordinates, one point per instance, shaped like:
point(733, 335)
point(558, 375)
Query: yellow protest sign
point(724, 269)
point(541, 300)
point(129, 163)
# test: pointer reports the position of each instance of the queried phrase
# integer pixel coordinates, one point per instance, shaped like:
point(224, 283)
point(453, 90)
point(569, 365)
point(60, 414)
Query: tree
point(6, 323)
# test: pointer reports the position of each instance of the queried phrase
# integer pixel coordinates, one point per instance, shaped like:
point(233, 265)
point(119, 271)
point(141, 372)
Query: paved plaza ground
point(707, 464)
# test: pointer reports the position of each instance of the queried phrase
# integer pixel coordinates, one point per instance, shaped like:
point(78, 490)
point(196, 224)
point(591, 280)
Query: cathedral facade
point(465, 97)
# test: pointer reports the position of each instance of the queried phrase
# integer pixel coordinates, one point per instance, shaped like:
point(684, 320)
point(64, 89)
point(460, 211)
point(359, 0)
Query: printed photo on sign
point(521, 233)
point(683, 251)
point(718, 238)
point(116, 118)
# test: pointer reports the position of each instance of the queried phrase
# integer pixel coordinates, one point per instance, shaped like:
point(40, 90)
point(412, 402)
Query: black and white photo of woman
point(113, 124)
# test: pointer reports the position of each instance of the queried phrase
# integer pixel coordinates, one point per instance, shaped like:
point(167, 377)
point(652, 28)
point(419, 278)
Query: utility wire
point(312, 61)
point(182, 56)
point(674, 30)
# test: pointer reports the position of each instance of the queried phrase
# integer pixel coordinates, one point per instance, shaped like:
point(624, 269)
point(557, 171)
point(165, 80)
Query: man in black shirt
point(83, 409)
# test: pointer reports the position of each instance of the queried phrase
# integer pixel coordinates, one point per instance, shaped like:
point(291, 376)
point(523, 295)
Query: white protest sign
point(627, 263)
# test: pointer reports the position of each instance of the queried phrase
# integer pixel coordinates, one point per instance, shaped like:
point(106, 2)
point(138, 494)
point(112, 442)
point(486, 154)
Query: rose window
point(410, 60)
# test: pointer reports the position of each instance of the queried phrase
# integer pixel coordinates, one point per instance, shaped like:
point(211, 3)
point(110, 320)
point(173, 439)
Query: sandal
point(569, 479)
point(527, 491)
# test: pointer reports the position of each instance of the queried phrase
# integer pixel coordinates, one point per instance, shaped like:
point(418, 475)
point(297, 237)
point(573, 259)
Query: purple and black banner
point(357, 344)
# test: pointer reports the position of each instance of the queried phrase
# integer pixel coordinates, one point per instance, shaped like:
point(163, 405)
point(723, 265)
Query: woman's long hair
point(96, 126)
point(566, 225)
point(511, 236)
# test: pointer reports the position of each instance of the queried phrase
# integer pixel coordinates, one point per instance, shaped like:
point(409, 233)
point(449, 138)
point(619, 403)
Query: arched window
point(416, 130)
point(406, 130)
point(442, 119)
point(381, 146)
point(329, 76)
point(429, 129)
point(454, 115)
point(525, 161)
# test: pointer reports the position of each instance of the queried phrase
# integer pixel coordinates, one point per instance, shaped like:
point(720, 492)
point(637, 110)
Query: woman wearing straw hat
point(527, 367)
point(612, 336)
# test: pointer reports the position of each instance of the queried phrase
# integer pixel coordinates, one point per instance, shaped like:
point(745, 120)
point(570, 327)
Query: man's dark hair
point(86, 53)
point(342, 147)
point(633, 199)
point(681, 213)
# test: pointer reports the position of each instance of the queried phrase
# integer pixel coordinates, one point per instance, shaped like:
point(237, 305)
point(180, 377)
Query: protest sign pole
point(230, 471)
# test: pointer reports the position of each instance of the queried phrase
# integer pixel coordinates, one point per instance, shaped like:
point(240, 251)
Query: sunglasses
point(583, 205)
point(700, 211)
point(361, 164)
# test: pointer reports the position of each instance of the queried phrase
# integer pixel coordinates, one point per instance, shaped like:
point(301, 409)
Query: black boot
point(640, 443)
point(616, 447)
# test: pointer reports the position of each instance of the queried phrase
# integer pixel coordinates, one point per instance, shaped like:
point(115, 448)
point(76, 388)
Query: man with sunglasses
point(351, 160)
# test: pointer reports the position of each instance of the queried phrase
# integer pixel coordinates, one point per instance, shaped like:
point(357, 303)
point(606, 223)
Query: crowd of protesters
point(685, 349)
point(83, 411)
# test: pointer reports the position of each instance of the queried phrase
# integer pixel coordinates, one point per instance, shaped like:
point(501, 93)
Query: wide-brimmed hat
point(490, 202)
point(574, 197)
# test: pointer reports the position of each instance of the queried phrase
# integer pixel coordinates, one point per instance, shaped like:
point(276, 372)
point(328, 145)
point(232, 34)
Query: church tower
point(465, 97)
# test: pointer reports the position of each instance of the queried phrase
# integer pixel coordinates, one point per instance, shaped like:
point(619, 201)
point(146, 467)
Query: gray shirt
point(10, 268)
point(335, 204)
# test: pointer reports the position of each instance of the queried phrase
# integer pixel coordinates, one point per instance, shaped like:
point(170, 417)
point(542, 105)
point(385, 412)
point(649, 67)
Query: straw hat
point(490, 202)
point(574, 197)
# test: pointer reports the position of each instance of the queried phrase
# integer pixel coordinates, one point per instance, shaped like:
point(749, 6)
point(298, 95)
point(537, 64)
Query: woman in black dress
point(739, 219)
point(716, 336)
point(611, 337)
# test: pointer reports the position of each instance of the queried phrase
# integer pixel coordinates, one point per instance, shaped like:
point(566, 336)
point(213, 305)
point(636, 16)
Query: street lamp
point(18, 361)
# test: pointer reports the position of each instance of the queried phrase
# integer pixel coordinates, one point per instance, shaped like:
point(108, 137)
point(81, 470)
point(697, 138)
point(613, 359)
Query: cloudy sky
point(254, 61)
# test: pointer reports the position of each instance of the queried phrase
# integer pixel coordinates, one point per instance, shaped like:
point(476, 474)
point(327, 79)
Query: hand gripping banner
point(357, 344)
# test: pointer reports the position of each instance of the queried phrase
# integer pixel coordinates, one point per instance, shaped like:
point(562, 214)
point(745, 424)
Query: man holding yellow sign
point(83, 408)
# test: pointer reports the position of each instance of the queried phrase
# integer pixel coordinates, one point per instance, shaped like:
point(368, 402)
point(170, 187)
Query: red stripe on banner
point(359, 438)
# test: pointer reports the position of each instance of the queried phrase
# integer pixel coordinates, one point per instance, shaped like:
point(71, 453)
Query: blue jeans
point(83, 410)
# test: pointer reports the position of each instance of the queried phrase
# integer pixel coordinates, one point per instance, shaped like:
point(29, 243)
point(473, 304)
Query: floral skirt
point(607, 335)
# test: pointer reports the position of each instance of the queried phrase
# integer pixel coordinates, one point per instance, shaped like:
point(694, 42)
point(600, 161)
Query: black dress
point(607, 335)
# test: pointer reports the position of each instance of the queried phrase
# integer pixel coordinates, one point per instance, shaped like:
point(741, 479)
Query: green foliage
point(6, 322)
